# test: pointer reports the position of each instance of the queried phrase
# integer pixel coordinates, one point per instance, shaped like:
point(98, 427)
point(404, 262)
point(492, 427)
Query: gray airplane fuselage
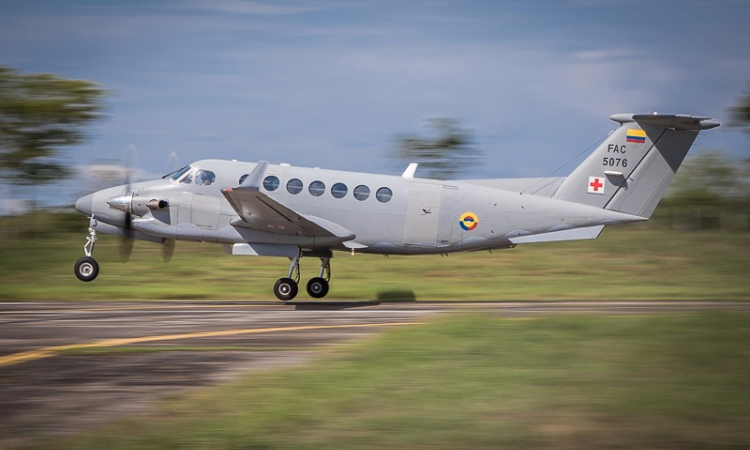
point(262, 209)
point(421, 216)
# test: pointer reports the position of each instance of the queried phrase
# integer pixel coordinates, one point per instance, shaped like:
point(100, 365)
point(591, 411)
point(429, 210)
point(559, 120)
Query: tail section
point(631, 170)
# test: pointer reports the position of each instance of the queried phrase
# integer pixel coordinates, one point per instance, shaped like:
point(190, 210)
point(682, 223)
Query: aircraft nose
point(83, 204)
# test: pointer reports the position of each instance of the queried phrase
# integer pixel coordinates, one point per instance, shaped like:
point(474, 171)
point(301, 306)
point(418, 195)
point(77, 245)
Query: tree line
point(42, 114)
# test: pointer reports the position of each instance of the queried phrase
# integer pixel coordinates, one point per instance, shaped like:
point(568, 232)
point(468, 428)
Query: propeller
point(167, 250)
point(127, 241)
point(173, 163)
point(124, 203)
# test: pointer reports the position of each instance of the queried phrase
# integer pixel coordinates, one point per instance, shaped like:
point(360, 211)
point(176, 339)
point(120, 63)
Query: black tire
point(317, 287)
point(87, 269)
point(285, 289)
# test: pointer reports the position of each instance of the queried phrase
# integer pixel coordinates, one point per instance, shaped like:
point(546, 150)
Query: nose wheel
point(86, 268)
point(287, 288)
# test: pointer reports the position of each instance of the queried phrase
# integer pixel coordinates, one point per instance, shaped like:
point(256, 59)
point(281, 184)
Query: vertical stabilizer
point(630, 171)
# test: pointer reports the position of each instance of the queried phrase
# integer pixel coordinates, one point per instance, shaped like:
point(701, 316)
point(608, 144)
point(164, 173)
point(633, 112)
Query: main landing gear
point(286, 288)
point(87, 268)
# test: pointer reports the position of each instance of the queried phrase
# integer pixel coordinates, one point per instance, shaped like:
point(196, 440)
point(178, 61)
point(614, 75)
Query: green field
point(468, 381)
point(636, 262)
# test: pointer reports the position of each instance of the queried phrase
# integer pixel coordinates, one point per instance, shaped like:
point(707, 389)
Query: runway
point(68, 367)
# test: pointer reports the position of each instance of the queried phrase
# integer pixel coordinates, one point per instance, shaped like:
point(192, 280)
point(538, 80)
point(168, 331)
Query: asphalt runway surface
point(70, 367)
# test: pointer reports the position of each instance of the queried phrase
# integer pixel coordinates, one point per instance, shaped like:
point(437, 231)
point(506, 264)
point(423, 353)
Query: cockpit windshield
point(177, 174)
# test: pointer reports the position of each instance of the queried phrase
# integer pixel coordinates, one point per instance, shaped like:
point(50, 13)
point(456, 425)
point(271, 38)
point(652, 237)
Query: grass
point(637, 262)
point(468, 381)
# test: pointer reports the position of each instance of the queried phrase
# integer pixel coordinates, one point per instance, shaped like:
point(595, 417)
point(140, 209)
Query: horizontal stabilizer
point(574, 234)
point(674, 121)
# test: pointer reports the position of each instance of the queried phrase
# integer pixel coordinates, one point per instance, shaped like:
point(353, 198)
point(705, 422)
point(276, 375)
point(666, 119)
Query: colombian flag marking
point(636, 136)
point(468, 221)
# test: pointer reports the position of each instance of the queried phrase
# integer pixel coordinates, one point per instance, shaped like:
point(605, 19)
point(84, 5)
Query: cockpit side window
point(204, 177)
point(178, 173)
point(169, 175)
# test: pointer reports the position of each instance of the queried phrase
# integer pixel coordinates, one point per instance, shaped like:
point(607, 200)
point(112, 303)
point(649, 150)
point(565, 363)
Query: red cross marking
point(596, 184)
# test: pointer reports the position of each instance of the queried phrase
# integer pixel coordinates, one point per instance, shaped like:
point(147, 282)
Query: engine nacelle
point(155, 205)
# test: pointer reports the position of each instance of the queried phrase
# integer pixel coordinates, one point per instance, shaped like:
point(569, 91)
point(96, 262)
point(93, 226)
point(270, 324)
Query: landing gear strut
point(86, 268)
point(287, 288)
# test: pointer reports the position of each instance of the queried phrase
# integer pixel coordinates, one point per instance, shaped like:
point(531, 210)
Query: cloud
point(308, 82)
point(606, 54)
point(9, 206)
point(251, 7)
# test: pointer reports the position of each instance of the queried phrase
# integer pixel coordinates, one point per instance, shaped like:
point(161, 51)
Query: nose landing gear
point(86, 268)
point(287, 288)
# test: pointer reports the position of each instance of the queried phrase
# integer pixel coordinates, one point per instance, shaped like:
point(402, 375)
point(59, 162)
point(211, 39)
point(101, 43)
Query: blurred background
point(92, 94)
point(339, 84)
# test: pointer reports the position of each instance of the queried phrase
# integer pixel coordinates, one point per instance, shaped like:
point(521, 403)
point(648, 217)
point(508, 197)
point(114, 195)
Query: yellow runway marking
point(48, 352)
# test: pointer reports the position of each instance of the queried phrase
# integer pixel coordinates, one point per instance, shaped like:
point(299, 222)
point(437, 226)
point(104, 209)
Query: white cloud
point(607, 54)
point(9, 206)
point(252, 7)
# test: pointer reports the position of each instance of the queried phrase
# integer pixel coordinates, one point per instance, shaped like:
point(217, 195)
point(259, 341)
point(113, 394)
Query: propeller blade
point(174, 162)
point(167, 250)
point(125, 246)
point(131, 165)
point(127, 242)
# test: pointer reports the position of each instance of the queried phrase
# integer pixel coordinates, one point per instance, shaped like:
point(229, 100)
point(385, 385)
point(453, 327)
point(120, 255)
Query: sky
point(330, 83)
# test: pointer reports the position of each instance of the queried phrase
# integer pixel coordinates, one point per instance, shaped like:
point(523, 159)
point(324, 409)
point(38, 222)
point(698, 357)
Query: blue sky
point(329, 83)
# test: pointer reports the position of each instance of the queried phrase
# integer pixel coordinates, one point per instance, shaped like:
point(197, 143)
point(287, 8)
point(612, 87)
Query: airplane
point(264, 209)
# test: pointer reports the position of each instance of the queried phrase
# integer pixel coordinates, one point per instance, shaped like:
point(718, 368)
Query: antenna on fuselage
point(410, 171)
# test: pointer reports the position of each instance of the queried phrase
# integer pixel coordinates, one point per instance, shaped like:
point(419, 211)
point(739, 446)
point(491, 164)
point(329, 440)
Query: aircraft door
point(183, 213)
point(183, 210)
point(448, 219)
point(204, 212)
point(422, 215)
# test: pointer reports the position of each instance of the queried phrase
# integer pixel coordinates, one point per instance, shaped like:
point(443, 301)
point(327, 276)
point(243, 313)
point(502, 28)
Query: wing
point(259, 212)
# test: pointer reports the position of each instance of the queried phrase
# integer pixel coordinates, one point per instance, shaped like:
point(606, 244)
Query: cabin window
point(384, 195)
point(204, 177)
point(339, 190)
point(242, 178)
point(317, 188)
point(361, 192)
point(271, 183)
point(294, 186)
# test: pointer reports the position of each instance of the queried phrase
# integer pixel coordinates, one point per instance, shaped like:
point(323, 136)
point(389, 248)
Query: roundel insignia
point(468, 221)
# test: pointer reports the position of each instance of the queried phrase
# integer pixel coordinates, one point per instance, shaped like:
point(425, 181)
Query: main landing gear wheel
point(285, 289)
point(87, 269)
point(317, 287)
